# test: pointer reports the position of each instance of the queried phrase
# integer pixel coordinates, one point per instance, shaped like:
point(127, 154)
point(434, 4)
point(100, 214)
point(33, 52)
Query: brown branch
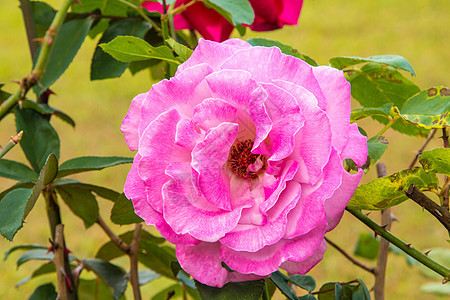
point(380, 269)
point(58, 260)
point(114, 238)
point(430, 136)
point(439, 212)
point(445, 203)
point(349, 257)
point(134, 255)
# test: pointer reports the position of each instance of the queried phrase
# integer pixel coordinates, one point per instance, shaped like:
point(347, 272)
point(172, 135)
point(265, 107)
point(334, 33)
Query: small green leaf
point(123, 213)
point(286, 49)
point(44, 292)
point(307, 297)
point(25, 185)
point(376, 146)
point(436, 288)
point(436, 160)
point(64, 48)
point(367, 246)
point(174, 290)
point(428, 109)
point(81, 202)
point(103, 65)
point(90, 163)
point(16, 171)
point(241, 11)
point(45, 109)
point(179, 273)
point(45, 268)
point(99, 190)
point(43, 15)
point(330, 291)
point(181, 50)
point(158, 258)
point(361, 113)
point(395, 61)
point(387, 191)
point(281, 281)
point(146, 276)
point(94, 289)
point(130, 48)
point(306, 282)
point(246, 290)
point(39, 138)
point(107, 7)
point(22, 247)
point(36, 254)
point(111, 274)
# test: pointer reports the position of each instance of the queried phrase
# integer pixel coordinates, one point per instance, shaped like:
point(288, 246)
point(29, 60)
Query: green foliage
point(376, 146)
point(42, 270)
point(81, 202)
point(387, 191)
point(45, 109)
point(103, 65)
point(428, 109)
point(16, 171)
point(344, 291)
point(95, 289)
point(130, 48)
point(182, 51)
point(246, 290)
point(146, 276)
point(43, 14)
point(98, 190)
point(44, 292)
point(123, 213)
point(64, 49)
point(436, 288)
point(395, 61)
point(39, 138)
point(90, 163)
point(361, 113)
point(282, 283)
point(306, 282)
point(436, 160)
point(286, 49)
point(111, 274)
point(158, 258)
point(35, 254)
point(22, 247)
point(240, 10)
point(367, 246)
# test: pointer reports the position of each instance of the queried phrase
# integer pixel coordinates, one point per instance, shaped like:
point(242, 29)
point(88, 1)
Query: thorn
point(408, 245)
point(394, 218)
point(384, 226)
point(368, 213)
point(444, 281)
point(377, 233)
point(39, 40)
point(426, 253)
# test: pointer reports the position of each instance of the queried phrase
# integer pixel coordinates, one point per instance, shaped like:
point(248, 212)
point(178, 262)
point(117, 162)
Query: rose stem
point(445, 189)
point(407, 248)
point(380, 269)
point(349, 257)
point(12, 142)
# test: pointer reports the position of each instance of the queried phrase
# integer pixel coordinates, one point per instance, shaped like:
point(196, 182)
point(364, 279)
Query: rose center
point(243, 162)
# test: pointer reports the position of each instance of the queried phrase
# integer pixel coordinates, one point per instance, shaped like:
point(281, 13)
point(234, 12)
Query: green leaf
point(43, 15)
point(375, 85)
point(45, 109)
point(45, 268)
point(111, 274)
point(130, 48)
point(22, 247)
point(439, 255)
point(376, 146)
point(307, 297)
point(137, 66)
point(158, 258)
point(395, 61)
point(387, 191)
point(81, 202)
point(90, 163)
point(173, 290)
point(94, 289)
point(281, 281)
point(436, 160)
point(103, 65)
point(99, 190)
point(428, 109)
point(361, 291)
point(306, 282)
point(107, 7)
point(65, 47)
point(182, 51)
point(330, 291)
point(286, 49)
point(110, 251)
point(337, 290)
point(361, 113)
point(36, 254)
point(146, 276)
point(241, 11)
point(44, 292)
point(39, 138)
point(367, 246)
point(246, 290)
point(436, 288)
point(16, 170)
point(123, 213)
point(179, 273)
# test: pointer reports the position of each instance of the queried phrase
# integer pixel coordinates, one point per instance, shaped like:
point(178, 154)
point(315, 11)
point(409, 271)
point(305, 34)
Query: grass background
point(415, 29)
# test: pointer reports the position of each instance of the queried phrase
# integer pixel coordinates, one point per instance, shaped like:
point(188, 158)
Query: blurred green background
point(415, 29)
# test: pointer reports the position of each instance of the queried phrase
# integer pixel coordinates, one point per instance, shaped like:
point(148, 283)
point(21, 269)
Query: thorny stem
point(445, 189)
point(349, 257)
point(58, 260)
point(388, 125)
point(134, 254)
point(142, 13)
point(14, 140)
point(430, 136)
point(114, 238)
point(407, 248)
point(39, 68)
point(165, 21)
point(380, 269)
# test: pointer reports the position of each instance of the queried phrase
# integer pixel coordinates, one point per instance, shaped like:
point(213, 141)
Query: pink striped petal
point(356, 147)
point(187, 135)
point(306, 265)
point(131, 122)
point(211, 112)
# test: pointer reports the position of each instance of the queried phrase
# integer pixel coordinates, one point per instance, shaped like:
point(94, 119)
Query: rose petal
point(356, 147)
point(187, 135)
point(208, 159)
point(211, 112)
point(306, 265)
point(268, 259)
point(131, 122)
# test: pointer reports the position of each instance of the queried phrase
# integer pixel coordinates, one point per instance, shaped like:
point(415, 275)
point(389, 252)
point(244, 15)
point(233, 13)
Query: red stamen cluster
point(241, 157)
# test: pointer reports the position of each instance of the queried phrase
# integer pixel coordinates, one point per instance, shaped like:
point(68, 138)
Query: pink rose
point(240, 160)
point(273, 14)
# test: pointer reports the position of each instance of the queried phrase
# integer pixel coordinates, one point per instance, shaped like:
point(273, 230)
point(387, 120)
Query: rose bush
point(269, 15)
point(240, 160)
